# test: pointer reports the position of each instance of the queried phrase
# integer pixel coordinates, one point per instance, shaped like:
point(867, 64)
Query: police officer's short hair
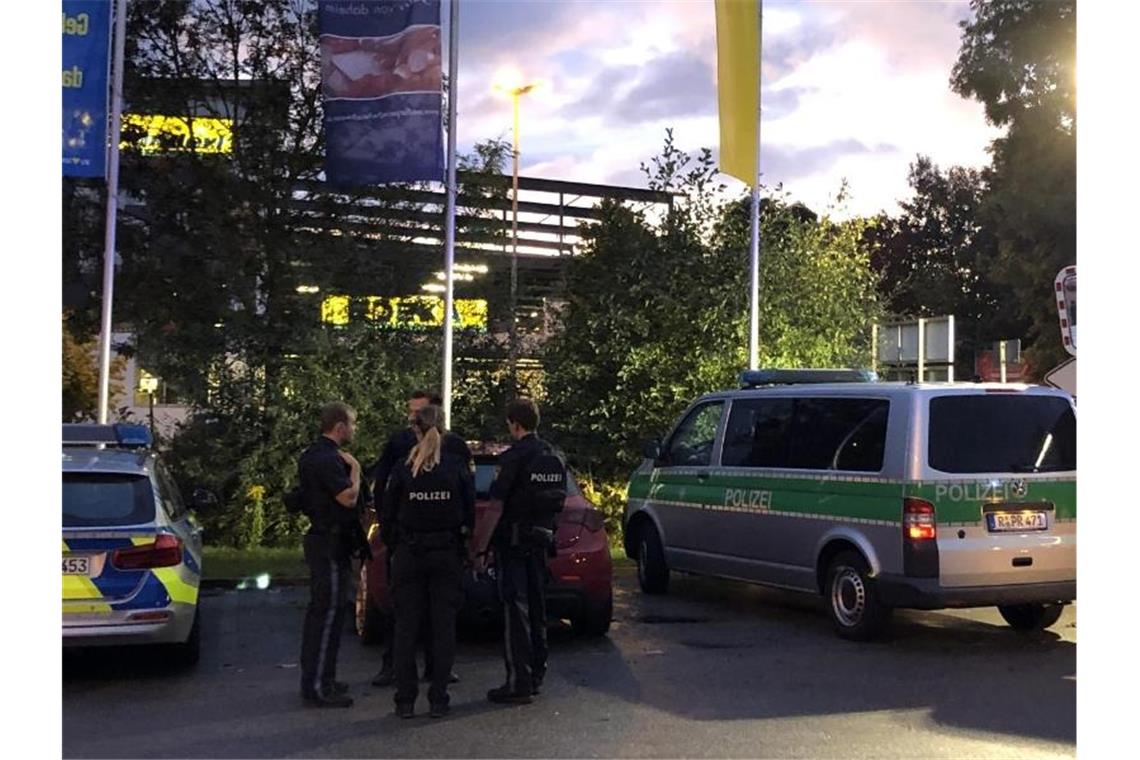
point(334, 412)
point(432, 397)
point(523, 412)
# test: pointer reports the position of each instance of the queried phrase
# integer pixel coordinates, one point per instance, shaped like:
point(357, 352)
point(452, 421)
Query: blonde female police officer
point(428, 508)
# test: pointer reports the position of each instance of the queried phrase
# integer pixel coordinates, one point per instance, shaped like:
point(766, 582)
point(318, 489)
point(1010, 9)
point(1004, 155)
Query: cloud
point(780, 163)
point(851, 89)
point(674, 85)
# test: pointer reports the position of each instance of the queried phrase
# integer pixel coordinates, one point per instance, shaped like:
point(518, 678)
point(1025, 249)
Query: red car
point(580, 588)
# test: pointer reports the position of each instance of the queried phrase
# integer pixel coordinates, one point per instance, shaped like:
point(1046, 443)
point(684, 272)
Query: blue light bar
point(119, 434)
point(754, 378)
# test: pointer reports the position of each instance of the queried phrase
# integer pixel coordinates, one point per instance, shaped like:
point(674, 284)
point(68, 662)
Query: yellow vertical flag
point(738, 86)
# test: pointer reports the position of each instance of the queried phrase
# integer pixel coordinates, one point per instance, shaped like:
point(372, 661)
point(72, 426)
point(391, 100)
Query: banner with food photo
point(381, 80)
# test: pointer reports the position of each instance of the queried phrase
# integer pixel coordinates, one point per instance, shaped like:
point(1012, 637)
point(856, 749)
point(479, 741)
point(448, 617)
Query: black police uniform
point(521, 574)
point(396, 451)
point(425, 516)
point(328, 548)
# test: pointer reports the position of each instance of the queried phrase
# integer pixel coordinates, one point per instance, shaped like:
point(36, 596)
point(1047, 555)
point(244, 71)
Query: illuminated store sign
point(407, 312)
point(176, 134)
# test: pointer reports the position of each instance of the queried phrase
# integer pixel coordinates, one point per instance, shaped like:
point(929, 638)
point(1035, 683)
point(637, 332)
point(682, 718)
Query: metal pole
point(754, 292)
point(1001, 358)
point(874, 346)
point(921, 350)
point(514, 248)
point(950, 370)
point(112, 215)
point(151, 413)
point(449, 224)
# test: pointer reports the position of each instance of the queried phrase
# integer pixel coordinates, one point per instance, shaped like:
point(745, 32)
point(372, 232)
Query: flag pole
point(112, 215)
point(754, 315)
point(449, 223)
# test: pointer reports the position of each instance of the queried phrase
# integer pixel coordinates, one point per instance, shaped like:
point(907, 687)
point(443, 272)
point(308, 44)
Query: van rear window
point(1002, 433)
point(106, 500)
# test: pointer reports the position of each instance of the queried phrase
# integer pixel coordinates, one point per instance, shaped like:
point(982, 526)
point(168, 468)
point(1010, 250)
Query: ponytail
point(425, 455)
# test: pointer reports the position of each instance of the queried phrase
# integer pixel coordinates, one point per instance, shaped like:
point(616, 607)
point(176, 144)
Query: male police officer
point(428, 508)
point(395, 451)
point(526, 494)
point(330, 485)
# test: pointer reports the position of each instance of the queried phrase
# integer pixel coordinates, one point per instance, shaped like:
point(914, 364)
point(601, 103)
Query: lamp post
point(510, 84)
point(148, 384)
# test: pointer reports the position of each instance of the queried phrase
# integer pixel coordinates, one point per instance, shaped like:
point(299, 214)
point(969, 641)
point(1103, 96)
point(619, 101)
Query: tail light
point(918, 520)
point(166, 551)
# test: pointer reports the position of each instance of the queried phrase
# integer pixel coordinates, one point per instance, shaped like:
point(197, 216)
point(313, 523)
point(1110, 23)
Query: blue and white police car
point(132, 549)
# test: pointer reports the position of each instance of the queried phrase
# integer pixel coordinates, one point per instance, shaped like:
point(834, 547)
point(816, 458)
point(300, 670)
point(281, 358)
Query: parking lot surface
point(714, 669)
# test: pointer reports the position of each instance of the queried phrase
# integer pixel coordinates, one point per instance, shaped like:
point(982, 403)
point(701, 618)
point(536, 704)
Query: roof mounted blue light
point(120, 434)
point(755, 378)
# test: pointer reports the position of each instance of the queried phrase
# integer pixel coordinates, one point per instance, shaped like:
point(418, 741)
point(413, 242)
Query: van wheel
point(852, 599)
point(652, 572)
point(1031, 617)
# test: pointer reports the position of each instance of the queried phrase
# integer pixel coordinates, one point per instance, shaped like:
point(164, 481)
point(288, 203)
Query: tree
point(81, 376)
point(657, 313)
point(1018, 57)
point(937, 257)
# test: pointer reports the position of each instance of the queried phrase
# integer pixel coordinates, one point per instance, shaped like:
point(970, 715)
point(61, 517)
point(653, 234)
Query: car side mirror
point(652, 450)
point(203, 498)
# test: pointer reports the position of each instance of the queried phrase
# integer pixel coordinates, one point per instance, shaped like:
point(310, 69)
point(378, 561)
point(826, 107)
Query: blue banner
point(381, 80)
point(86, 62)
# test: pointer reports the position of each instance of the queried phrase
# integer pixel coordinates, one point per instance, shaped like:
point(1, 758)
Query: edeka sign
point(86, 45)
point(381, 77)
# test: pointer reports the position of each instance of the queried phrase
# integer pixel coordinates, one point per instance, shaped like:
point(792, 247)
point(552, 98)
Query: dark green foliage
point(657, 311)
point(1018, 57)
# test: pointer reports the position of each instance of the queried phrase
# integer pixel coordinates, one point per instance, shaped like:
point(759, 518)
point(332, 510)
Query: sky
point(850, 90)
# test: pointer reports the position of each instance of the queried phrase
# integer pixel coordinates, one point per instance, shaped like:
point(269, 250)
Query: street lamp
point(148, 384)
point(509, 82)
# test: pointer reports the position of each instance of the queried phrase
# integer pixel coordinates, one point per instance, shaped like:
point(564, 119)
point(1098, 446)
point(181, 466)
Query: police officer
point(428, 508)
point(395, 451)
point(521, 541)
point(330, 481)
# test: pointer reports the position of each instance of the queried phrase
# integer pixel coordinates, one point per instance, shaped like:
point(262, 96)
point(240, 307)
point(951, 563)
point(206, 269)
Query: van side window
point(757, 433)
point(838, 434)
point(692, 443)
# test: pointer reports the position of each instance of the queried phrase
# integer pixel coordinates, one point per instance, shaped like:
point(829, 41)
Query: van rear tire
point(852, 599)
point(652, 572)
point(1031, 617)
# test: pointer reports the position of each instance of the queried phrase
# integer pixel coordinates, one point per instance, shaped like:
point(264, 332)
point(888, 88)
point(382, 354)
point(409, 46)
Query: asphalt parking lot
point(714, 669)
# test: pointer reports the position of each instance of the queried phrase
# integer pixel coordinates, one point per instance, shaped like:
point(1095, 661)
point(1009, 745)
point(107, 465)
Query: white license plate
point(77, 566)
point(1000, 522)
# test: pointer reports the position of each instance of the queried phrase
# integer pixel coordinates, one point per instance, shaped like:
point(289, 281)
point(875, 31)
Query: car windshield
point(1002, 432)
point(103, 500)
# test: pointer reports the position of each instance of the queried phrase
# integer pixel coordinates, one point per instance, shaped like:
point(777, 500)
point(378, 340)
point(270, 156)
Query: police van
point(875, 495)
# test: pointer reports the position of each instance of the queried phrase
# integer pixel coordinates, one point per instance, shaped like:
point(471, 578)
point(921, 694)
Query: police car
point(132, 550)
point(580, 584)
point(873, 495)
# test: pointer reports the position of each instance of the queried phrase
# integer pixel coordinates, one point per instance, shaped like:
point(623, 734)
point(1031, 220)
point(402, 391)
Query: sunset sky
point(850, 90)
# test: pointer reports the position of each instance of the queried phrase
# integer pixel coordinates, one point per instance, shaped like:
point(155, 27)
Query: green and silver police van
point(875, 495)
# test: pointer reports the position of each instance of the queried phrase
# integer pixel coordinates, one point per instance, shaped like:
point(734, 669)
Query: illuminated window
point(172, 134)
